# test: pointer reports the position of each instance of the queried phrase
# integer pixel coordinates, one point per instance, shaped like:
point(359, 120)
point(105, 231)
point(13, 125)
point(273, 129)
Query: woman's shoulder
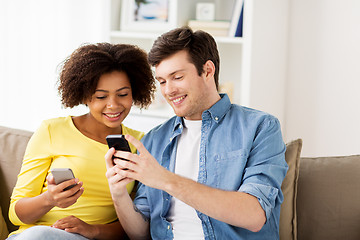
point(55, 123)
point(135, 133)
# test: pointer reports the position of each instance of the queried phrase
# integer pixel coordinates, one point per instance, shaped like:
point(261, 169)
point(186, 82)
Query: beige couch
point(321, 195)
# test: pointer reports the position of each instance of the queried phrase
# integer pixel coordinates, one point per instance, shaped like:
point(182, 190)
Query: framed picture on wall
point(148, 15)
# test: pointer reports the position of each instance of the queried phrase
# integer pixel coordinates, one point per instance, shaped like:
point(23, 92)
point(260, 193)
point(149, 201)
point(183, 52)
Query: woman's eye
point(178, 77)
point(100, 97)
point(123, 95)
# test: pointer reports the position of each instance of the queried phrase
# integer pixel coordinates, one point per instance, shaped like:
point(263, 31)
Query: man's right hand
point(117, 182)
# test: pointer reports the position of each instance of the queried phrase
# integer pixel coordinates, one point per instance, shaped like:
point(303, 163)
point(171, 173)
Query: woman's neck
point(91, 128)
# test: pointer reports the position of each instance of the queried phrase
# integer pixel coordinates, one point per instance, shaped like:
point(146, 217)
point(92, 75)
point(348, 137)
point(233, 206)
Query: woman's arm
point(31, 209)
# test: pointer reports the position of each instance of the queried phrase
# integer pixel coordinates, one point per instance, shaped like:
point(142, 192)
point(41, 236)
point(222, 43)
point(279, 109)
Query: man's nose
point(169, 88)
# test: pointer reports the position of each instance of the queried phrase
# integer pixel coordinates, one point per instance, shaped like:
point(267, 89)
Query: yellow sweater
point(59, 144)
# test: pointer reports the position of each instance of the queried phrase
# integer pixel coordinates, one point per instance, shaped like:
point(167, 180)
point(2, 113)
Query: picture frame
point(148, 15)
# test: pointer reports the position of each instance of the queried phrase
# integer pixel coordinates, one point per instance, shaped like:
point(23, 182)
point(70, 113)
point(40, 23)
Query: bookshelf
point(254, 65)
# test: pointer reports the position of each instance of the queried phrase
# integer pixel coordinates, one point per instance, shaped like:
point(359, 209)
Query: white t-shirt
point(186, 224)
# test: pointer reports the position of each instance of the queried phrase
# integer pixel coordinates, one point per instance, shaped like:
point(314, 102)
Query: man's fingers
point(139, 146)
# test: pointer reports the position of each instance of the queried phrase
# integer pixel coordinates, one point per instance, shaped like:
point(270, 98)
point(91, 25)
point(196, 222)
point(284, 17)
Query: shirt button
point(216, 118)
point(168, 227)
point(180, 126)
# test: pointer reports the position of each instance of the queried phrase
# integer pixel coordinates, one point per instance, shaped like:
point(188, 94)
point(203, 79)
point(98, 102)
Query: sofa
point(321, 195)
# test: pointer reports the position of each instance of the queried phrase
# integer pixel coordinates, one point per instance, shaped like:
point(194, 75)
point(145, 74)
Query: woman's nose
point(111, 103)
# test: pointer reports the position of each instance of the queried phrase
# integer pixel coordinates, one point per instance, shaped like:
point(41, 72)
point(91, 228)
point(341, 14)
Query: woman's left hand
point(75, 225)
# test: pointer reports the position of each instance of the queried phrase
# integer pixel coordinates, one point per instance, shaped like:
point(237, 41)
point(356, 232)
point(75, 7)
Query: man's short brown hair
point(200, 45)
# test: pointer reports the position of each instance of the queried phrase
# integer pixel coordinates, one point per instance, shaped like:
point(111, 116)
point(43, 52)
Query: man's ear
point(209, 69)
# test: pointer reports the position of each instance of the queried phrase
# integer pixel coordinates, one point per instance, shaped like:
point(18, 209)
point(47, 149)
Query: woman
point(108, 79)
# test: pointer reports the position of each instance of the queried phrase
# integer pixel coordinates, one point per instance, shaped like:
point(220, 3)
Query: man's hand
point(142, 167)
point(117, 182)
point(118, 177)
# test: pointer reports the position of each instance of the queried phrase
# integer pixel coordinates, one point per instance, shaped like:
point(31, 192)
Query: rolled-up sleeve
point(266, 167)
point(141, 202)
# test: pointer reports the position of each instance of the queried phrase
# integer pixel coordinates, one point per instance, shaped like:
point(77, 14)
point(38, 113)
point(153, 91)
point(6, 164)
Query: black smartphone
point(118, 142)
point(62, 175)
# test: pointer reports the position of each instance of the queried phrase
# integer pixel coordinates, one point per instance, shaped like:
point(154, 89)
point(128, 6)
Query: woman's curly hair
point(81, 71)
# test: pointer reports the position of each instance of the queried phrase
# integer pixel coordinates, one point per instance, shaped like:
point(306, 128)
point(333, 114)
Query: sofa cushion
point(13, 143)
point(289, 188)
point(328, 203)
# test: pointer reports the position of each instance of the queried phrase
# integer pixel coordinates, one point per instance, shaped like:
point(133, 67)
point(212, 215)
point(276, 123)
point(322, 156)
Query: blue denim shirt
point(241, 149)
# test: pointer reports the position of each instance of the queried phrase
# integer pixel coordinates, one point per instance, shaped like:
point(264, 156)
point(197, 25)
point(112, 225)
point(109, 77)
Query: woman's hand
point(60, 198)
point(31, 209)
point(75, 225)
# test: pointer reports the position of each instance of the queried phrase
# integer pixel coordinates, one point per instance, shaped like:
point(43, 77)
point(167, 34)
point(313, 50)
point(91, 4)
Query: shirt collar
point(219, 109)
point(216, 112)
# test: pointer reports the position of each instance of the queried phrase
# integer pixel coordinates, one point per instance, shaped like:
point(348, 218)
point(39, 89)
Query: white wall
point(322, 103)
point(323, 100)
point(35, 37)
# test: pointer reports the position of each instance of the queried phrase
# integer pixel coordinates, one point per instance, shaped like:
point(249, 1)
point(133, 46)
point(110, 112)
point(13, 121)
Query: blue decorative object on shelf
point(239, 28)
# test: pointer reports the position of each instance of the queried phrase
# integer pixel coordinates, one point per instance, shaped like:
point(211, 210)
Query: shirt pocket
point(229, 169)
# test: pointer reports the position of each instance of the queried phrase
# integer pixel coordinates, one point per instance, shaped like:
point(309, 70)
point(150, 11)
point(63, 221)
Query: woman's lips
point(113, 116)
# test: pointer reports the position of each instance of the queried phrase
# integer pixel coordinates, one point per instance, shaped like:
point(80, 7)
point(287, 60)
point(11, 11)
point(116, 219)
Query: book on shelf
point(228, 88)
point(236, 24)
point(215, 28)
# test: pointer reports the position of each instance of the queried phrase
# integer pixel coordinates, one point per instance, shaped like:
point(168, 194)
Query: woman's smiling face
point(112, 100)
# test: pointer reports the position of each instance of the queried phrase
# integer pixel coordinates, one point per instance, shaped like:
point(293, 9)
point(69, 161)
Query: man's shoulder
point(160, 131)
point(249, 114)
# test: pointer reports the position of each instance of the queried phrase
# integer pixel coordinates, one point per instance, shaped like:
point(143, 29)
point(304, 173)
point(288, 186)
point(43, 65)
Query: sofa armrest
point(13, 143)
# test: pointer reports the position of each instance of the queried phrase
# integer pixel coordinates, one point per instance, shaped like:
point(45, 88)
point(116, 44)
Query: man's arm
point(235, 208)
point(135, 224)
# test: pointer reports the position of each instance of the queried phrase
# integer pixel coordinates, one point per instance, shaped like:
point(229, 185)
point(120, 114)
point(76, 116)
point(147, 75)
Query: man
point(214, 171)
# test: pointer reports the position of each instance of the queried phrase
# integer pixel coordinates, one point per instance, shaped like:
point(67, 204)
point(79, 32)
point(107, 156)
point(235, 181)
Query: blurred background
point(320, 100)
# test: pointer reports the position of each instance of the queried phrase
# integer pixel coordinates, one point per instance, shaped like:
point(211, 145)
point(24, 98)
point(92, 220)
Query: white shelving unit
point(255, 65)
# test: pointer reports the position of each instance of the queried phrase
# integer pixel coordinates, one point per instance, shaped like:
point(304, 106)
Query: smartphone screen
point(118, 142)
point(63, 174)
